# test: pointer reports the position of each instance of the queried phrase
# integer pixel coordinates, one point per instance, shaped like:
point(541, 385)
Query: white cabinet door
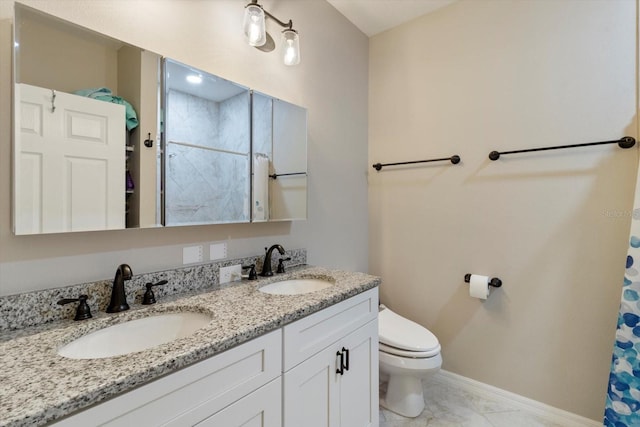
point(358, 387)
point(316, 395)
point(262, 408)
point(69, 162)
point(310, 397)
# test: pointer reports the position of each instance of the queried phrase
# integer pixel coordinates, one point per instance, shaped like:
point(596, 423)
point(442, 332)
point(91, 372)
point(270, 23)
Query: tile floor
point(447, 406)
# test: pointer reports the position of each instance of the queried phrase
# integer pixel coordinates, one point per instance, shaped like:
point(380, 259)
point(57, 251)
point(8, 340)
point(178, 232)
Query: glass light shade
point(290, 47)
point(254, 26)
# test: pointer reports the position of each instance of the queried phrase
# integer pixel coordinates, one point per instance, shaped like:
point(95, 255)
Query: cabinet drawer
point(262, 408)
point(305, 337)
point(192, 394)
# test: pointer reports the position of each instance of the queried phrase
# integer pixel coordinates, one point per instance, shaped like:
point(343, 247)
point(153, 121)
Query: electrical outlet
point(230, 274)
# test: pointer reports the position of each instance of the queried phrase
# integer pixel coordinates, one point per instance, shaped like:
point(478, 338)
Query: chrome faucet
point(266, 265)
point(118, 297)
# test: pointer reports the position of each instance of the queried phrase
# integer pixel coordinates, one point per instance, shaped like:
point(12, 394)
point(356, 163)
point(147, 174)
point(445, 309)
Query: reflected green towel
point(104, 94)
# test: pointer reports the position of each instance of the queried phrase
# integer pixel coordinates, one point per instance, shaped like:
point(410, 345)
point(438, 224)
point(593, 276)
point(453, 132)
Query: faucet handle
point(281, 264)
point(252, 271)
point(149, 297)
point(83, 311)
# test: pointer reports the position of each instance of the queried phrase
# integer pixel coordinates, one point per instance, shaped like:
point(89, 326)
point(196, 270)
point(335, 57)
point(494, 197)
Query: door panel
point(310, 397)
point(78, 181)
point(358, 387)
point(262, 408)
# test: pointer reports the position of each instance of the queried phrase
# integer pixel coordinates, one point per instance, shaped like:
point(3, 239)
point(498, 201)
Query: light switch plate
point(230, 274)
point(192, 254)
point(217, 251)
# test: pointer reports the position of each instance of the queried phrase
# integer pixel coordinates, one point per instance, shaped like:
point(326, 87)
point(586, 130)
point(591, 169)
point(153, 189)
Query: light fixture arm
point(288, 25)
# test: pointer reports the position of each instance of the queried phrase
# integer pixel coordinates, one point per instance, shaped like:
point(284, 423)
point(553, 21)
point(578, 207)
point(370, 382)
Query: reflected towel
point(104, 94)
point(260, 187)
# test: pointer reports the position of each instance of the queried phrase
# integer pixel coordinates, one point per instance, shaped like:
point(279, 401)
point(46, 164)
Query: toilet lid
point(403, 334)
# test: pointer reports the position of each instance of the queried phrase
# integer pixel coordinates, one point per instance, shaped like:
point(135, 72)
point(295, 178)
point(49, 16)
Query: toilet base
point(404, 396)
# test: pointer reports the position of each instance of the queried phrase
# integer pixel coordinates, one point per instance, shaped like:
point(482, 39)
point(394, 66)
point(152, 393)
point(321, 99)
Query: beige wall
point(503, 75)
point(331, 82)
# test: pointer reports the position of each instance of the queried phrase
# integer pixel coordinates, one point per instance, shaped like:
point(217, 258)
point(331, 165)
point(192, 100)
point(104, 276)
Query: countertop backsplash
point(40, 307)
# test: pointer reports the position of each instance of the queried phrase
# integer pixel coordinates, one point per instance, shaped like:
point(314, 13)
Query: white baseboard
point(550, 413)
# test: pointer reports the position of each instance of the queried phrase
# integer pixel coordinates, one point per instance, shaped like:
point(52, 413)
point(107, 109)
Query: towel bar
point(625, 142)
point(453, 159)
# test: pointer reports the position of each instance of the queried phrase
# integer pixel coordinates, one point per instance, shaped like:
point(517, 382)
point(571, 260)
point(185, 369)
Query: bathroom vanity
point(264, 360)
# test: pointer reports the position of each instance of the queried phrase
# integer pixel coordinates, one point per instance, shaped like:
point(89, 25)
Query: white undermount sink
point(135, 335)
point(295, 286)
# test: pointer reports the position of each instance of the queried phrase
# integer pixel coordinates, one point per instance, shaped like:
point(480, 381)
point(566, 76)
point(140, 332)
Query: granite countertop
point(39, 386)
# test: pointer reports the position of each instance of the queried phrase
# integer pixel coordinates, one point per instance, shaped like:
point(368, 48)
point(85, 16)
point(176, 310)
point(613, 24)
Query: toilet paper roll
point(479, 286)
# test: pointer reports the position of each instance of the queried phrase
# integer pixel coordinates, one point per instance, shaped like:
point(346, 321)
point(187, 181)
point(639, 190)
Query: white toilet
point(408, 353)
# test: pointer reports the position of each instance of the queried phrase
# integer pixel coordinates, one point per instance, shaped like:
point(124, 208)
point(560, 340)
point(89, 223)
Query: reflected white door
point(69, 164)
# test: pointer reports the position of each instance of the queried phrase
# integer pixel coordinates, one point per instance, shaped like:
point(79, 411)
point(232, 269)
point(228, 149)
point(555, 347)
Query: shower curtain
point(623, 394)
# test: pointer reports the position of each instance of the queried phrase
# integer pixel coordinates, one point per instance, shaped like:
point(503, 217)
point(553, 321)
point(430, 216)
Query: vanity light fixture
point(256, 35)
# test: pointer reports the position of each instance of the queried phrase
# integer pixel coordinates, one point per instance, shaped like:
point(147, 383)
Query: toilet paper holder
point(495, 282)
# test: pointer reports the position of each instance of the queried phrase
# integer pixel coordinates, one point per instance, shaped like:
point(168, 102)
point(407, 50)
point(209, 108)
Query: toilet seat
point(404, 337)
point(404, 353)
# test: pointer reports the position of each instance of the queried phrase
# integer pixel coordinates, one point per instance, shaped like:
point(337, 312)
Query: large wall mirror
point(81, 163)
point(161, 151)
point(207, 147)
point(279, 160)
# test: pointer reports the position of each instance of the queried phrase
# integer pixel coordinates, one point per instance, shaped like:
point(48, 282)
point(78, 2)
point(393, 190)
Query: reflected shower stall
point(207, 148)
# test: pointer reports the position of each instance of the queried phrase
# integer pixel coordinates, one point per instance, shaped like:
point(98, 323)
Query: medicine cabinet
point(160, 153)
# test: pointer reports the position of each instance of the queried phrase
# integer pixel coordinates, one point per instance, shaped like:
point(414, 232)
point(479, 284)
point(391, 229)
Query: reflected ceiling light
point(194, 79)
point(256, 34)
